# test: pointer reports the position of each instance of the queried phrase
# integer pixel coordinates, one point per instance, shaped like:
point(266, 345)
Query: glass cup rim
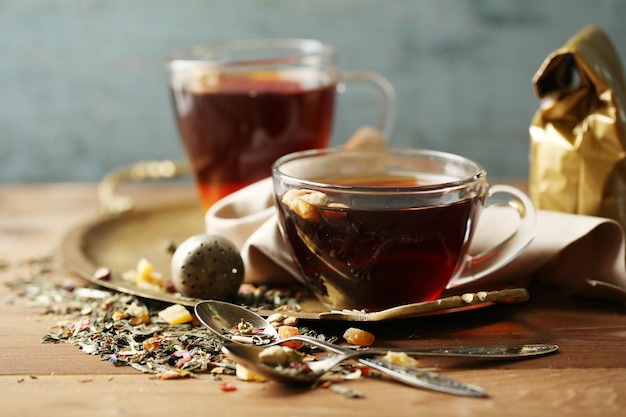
point(480, 173)
point(301, 48)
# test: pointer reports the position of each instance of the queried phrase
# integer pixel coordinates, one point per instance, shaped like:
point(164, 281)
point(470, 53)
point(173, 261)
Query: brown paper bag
point(578, 134)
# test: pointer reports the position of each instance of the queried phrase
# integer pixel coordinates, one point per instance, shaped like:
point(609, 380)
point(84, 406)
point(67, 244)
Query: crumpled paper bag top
point(578, 134)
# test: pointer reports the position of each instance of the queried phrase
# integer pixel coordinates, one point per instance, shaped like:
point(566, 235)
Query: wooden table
point(587, 377)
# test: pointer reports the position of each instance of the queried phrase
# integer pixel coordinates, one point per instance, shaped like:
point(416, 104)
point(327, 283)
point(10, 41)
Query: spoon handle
point(486, 352)
point(424, 379)
point(407, 374)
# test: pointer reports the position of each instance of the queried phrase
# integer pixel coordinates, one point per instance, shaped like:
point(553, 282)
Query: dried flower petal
point(102, 273)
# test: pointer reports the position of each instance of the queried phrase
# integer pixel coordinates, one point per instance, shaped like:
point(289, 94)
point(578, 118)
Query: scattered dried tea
point(128, 331)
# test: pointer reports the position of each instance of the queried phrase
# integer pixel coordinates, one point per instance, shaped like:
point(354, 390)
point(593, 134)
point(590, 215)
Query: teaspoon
point(248, 356)
point(221, 317)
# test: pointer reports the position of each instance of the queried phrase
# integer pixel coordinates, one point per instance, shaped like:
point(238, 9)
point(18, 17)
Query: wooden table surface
point(587, 377)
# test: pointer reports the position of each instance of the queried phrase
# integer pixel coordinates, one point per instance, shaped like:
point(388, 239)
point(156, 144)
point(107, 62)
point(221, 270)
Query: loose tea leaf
point(347, 392)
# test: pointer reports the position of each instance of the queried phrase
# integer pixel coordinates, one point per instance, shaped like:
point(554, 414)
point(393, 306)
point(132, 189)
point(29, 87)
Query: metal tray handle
point(113, 203)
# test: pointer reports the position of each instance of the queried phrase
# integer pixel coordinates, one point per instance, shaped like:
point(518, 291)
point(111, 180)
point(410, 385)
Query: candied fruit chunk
point(176, 314)
point(289, 331)
point(280, 356)
point(244, 374)
point(358, 337)
point(305, 203)
point(400, 358)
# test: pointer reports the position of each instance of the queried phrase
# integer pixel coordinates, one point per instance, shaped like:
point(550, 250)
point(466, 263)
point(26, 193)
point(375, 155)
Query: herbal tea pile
point(153, 337)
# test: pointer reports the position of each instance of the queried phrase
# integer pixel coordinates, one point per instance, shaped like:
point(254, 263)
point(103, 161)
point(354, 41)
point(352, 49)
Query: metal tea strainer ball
point(208, 267)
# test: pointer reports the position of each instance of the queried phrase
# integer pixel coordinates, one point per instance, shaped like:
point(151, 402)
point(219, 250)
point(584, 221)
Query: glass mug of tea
point(377, 229)
point(242, 104)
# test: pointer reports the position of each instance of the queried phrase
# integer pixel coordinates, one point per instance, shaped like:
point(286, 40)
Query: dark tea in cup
point(235, 126)
point(242, 104)
point(373, 230)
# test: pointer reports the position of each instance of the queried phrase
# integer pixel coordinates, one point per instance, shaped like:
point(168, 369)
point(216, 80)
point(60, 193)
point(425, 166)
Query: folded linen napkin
point(581, 255)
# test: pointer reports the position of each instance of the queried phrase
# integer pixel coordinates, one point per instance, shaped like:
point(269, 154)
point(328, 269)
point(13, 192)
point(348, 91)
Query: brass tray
point(118, 241)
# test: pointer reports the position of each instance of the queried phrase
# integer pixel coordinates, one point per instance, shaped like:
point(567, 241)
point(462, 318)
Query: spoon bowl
point(248, 356)
point(221, 318)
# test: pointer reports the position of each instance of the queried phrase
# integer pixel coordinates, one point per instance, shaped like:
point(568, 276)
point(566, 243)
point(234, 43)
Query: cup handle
point(386, 97)
point(490, 260)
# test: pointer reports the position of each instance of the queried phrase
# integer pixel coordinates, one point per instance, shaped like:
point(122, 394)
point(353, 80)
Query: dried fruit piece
point(242, 373)
point(358, 337)
point(152, 343)
point(146, 272)
point(279, 319)
point(334, 211)
point(280, 356)
point(400, 358)
point(305, 203)
point(176, 314)
point(174, 374)
point(276, 319)
point(289, 331)
point(145, 276)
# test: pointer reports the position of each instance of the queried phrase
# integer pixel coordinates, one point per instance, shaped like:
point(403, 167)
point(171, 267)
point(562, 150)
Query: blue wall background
point(83, 88)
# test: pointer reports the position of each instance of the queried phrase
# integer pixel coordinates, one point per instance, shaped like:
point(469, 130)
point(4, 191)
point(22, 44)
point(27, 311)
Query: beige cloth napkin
point(582, 255)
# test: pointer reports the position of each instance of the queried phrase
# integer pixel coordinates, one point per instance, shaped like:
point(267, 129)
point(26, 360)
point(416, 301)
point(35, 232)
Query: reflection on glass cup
point(376, 229)
point(242, 104)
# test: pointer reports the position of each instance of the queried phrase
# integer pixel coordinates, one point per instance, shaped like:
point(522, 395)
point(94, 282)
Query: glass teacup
point(241, 104)
point(377, 229)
